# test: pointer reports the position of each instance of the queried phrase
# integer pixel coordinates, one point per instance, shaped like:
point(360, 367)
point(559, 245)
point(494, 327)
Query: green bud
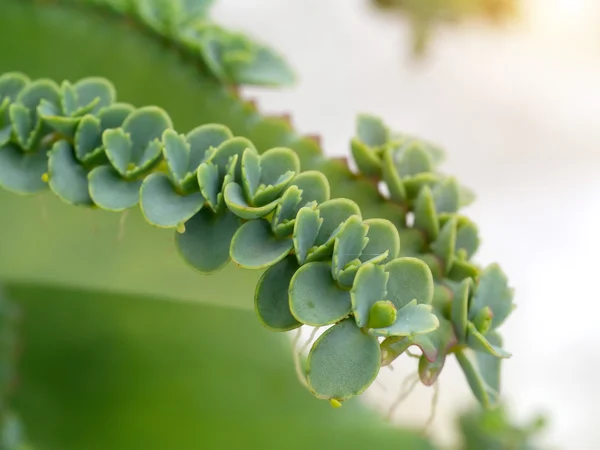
point(382, 314)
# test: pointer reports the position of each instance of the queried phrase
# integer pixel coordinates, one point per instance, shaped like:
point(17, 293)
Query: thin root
point(123, 218)
point(408, 386)
point(311, 338)
point(297, 360)
point(434, 406)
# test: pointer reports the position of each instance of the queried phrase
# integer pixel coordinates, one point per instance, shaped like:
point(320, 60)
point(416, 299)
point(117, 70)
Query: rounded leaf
point(206, 240)
point(411, 320)
point(343, 362)
point(112, 192)
point(315, 297)
point(366, 159)
point(163, 206)
point(370, 286)
point(234, 198)
point(383, 237)
point(67, 178)
point(493, 291)
point(271, 300)
point(144, 125)
point(314, 186)
point(334, 213)
point(254, 246)
point(409, 279)
point(21, 172)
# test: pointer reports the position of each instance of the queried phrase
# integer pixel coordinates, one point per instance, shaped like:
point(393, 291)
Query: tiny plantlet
point(380, 273)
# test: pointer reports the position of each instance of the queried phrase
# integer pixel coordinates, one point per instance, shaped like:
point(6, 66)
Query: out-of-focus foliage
point(494, 430)
point(425, 15)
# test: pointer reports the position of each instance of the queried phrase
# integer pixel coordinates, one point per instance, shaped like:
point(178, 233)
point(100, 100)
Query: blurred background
point(516, 106)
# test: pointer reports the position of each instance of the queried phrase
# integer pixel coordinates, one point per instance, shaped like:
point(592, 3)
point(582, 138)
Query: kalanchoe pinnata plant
point(325, 264)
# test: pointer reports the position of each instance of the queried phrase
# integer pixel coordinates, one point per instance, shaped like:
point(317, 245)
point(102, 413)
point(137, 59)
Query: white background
point(518, 111)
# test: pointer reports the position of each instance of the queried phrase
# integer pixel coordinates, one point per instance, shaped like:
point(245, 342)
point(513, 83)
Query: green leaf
point(412, 159)
point(460, 305)
point(478, 342)
point(426, 217)
point(446, 196)
point(265, 68)
point(314, 186)
point(343, 362)
point(114, 115)
point(110, 191)
point(119, 149)
point(489, 365)
point(493, 291)
point(366, 159)
point(11, 84)
point(254, 246)
point(206, 240)
point(371, 130)
point(409, 279)
point(176, 151)
point(95, 90)
point(251, 172)
point(271, 300)
point(334, 212)
point(67, 178)
point(143, 126)
point(229, 148)
point(88, 138)
point(204, 140)
point(33, 93)
point(383, 237)
point(411, 319)
point(306, 230)
point(234, 198)
point(391, 177)
point(210, 183)
point(23, 125)
point(277, 161)
point(369, 287)
point(444, 246)
point(467, 236)
point(486, 395)
point(414, 184)
point(348, 246)
point(163, 206)
point(315, 297)
point(284, 218)
point(21, 172)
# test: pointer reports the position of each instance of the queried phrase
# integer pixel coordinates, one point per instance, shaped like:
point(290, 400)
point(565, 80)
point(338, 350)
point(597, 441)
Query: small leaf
point(410, 279)
point(163, 206)
point(412, 319)
point(429, 371)
point(463, 269)
point(112, 192)
point(489, 366)
point(21, 172)
point(176, 151)
point(284, 218)
point(210, 183)
point(343, 362)
point(254, 246)
point(314, 186)
point(479, 343)
point(446, 196)
point(68, 179)
point(412, 159)
point(483, 320)
point(271, 300)
point(88, 137)
point(467, 236)
point(306, 230)
point(114, 115)
point(426, 217)
point(96, 90)
point(234, 198)
point(334, 213)
point(391, 177)
point(466, 196)
point(32, 94)
point(11, 84)
point(382, 314)
point(263, 68)
point(369, 287)
point(366, 159)
point(251, 172)
point(348, 246)
point(487, 396)
point(460, 305)
point(204, 138)
point(229, 148)
point(277, 161)
point(143, 126)
point(383, 237)
point(22, 123)
point(119, 149)
point(371, 130)
point(414, 184)
point(315, 297)
point(445, 244)
point(493, 291)
point(206, 240)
